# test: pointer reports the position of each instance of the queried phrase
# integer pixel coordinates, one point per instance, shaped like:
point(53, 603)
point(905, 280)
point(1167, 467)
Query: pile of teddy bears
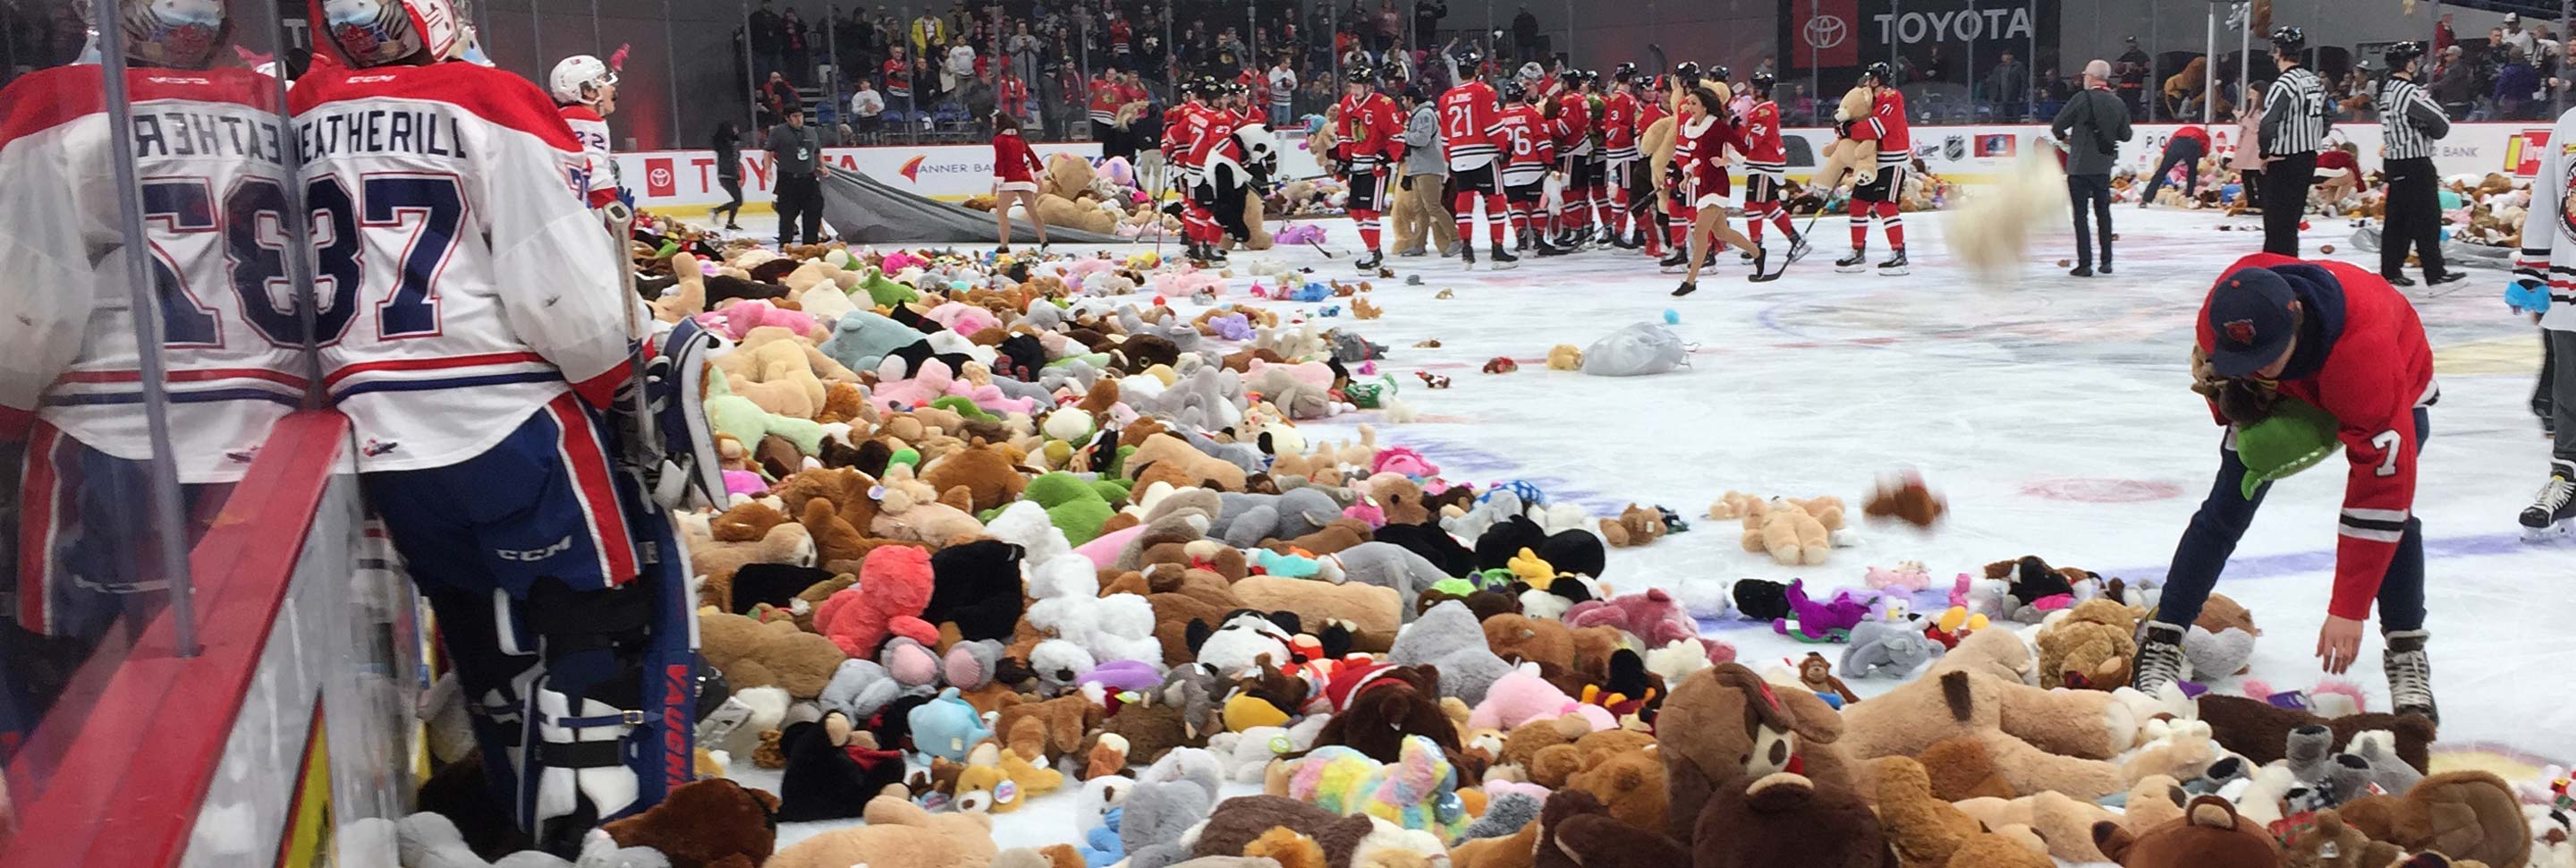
point(1002, 530)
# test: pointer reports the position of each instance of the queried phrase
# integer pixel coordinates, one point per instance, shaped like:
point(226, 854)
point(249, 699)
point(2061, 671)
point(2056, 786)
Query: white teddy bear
point(1068, 604)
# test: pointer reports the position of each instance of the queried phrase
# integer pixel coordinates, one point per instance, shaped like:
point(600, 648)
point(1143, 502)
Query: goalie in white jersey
point(209, 150)
point(474, 326)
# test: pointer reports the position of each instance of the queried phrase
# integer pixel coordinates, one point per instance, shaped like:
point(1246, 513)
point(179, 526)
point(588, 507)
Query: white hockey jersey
point(466, 283)
point(2549, 228)
point(210, 157)
point(600, 179)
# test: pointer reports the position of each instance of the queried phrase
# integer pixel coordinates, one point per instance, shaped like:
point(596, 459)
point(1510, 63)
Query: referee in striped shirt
point(2294, 126)
point(2410, 121)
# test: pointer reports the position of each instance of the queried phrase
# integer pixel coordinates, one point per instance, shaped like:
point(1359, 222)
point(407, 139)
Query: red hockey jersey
point(1368, 132)
point(1176, 131)
point(1887, 126)
point(1532, 150)
point(1211, 135)
point(2378, 371)
point(1573, 124)
point(1471, 125)
point(1763, 154)
point(1619, 127)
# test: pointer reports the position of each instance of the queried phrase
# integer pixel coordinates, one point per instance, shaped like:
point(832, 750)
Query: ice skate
point(2552, 515)
point(1797, 249)
point(1545, 250)
point(1856, 263)
point(1370, 263)
point(1504, 260)
point(1466, 256)
point(2159, 660)
point(2410, 674)
point(1894, 266)
point(1674, 262)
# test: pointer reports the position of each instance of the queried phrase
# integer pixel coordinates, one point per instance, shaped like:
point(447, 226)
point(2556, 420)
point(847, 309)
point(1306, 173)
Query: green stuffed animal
point(2296, 436)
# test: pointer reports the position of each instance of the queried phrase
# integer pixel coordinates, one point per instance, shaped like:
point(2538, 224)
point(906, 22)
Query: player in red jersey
point(1700, 142)
point(1766, 165)
point(1652, 107)
point(1619, 143)
point(1471, 126)
point(2340, 338)
point(1368, 133)
point(1877, 195)
point(1528, 149)
point(1183, 128)
point(1570, 115)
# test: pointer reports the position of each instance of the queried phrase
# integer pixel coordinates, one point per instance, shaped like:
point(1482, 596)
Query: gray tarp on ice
point(2458, 253)
point(862, 210)
point(1640, 349)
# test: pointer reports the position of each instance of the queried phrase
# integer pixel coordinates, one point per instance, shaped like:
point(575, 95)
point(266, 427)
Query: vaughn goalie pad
point(688, 471)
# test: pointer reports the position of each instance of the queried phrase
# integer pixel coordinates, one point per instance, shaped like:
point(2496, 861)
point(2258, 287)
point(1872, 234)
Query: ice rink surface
point(2052, 413)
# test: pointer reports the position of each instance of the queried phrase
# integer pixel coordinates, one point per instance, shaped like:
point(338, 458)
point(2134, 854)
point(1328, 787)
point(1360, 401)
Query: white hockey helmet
point(172, 34)
point(379, 32)
point(580, 80)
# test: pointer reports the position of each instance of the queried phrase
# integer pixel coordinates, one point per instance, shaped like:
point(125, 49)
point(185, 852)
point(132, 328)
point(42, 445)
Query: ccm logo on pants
point(534, 555)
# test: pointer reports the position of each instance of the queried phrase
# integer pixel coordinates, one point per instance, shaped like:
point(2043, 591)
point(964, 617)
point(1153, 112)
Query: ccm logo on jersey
point(534, 555)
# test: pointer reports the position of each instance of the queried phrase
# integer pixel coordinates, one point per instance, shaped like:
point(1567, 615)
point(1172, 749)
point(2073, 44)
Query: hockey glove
point(2527, 296)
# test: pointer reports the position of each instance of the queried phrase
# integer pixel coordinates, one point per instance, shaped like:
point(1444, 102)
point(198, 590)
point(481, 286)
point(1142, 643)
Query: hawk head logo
point(2240, 332)
point(911, 170)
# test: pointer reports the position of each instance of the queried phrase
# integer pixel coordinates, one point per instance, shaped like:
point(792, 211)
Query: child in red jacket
point(2340, 338)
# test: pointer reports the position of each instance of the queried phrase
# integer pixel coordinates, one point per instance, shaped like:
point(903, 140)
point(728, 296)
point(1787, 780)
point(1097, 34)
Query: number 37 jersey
point(463, 281)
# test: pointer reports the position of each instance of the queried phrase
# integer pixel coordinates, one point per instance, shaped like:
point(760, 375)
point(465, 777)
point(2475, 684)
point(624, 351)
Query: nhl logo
point(2240, 332)
point(1956, 148)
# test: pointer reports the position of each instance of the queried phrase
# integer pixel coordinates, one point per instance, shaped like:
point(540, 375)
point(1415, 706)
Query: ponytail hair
point(1003, 120)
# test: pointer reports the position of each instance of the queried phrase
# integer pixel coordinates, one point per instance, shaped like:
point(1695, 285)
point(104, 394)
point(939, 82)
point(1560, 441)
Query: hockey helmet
point(171, 34)
point(1879, 73)
point(2402, 54)
point(581, 80)
point(2288, 38)
point(1623, 72)
point(1761, 82)
point(379, 32)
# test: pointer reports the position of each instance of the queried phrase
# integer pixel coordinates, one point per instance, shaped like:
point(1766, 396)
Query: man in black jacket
point(2092, 126)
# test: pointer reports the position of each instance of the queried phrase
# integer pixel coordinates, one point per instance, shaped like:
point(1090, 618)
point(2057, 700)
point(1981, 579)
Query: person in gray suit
point(2091, 126)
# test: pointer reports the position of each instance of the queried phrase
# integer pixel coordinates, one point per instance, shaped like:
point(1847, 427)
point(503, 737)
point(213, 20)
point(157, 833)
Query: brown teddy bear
point(1924, 830)
point(1167, 458)
point(712, 823)
point(2209, 835)
point(987, 474)
point(1238, 822)
point(771, 654)
point(1961, 769)
point(2038, 739)
point(1373, 613)
point(1052, 729)
point(2465, 815)
point(2260, 731)
point(1783, 819)
point(2328, 843)
point(1724, 725)
point(1179, 596)
point(1635, 526)
point(1518, 638)
point(784, 543)
point(1629, 782)
point(898, 834)
point(2090, 647)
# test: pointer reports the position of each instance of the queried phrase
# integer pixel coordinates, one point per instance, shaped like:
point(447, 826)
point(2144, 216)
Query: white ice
point(2052, 413)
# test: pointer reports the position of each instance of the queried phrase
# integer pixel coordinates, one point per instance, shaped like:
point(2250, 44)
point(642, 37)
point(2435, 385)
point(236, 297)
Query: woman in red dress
point(1015, 168)
point(1700, 140)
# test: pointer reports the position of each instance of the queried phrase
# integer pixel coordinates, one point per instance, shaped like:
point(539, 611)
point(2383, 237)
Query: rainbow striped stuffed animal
point(1417, 791)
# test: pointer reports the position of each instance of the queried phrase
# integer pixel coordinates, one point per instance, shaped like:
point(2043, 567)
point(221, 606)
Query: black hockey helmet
point(1570, 76)
point(2288, 38)
point(1359, 74)
point(2403, 53)
point(1470, 57)
point(1719, 72)
point(1207, 86)
point(1623, 72)
point(1687, 72)
point(1592, 77)
point(1878, 71)
point(1514, 92)
point(1761, 82)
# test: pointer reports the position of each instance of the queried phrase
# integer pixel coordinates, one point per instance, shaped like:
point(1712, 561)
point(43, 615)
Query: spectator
point(1011, 96)
point(2517, 38)
point(1390, 26)
point(898, 83)
point(777, 96)
point(2132, 71)
point(1121, 35)
point(2454, 85)
point(2443, 36)
point(2008, 87)
point(1423, 173)
point(928, 30)
point(792, 33)
point(1937, 68)
point(767, 33)
point(1426, 22)
point(868, 107)
point(2091, 126)
point(2561, 85)
point(1769, 66)
point(1152, 58)
point(1283, 93)
point(1229, 43)
point(958, 69)
point(2249, 161)
point(1525, 35)
point(1023, 48)
point(728, 148)
point(2514, 84)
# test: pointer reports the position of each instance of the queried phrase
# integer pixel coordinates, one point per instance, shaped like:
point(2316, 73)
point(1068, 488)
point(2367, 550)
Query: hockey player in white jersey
point(474, 329)
point(585, 92)
point(209, 149)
